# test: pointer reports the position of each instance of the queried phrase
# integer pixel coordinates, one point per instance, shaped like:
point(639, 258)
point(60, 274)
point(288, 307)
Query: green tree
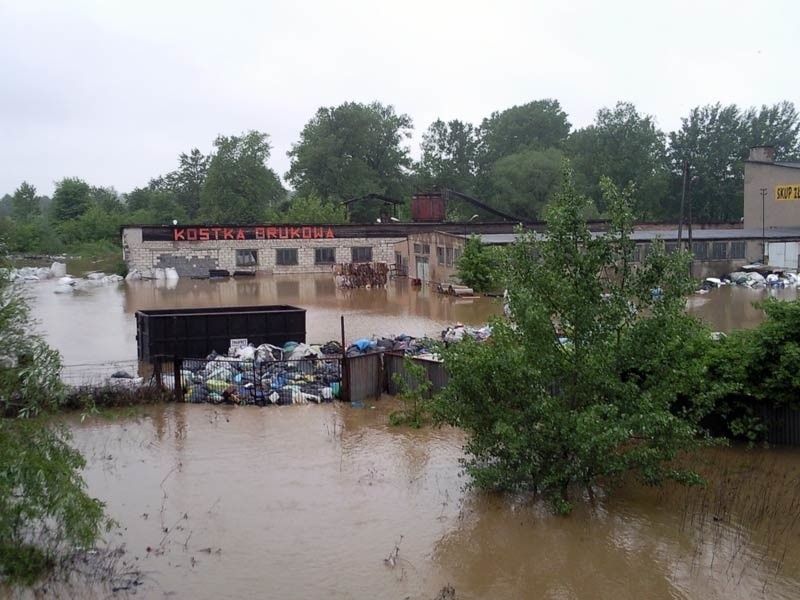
point(309, 209)
point(24, 203)
point(777, 126)
point(152, 206)
point(449, 152)
point(479, 266)
point(44, 507)
point(627, 148)
point(72, 197)
point(350, 151)
point(239, 186)
point(521, 184)
point(538, 125)
point(595, 376)
point(186, 183)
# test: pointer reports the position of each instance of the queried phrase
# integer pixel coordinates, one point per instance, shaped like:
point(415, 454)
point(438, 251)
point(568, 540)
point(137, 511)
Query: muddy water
point(99, 325)
point(309, 501)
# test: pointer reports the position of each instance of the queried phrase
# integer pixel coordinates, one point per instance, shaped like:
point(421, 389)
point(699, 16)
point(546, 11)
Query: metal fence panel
point(783, 425)
point(395, 363)
point(364, 378)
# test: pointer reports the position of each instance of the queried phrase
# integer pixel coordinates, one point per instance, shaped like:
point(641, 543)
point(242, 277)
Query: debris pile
point(292, 374)
point(752, 279)
point(362, 275)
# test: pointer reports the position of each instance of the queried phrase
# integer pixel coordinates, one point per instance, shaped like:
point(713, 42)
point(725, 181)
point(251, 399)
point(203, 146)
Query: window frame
point(280, 260)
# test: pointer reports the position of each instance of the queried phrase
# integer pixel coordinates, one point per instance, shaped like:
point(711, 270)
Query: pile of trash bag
point(295, 373)
point(57, 269)
point(420, 347)
point(752, 279)
point(458, 332)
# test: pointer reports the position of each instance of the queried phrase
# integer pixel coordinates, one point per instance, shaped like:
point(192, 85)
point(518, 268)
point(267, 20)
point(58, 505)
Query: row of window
point(288, 256)
point(701, 250)
point(446, 257)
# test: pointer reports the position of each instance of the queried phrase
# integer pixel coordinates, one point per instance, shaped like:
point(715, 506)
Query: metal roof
point(672, 235)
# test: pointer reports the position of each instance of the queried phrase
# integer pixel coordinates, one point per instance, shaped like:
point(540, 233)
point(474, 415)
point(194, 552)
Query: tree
point(350, 151)
point(185, 183)
point(239, 186)
point(537, 125)
point(777, 126)
point(24, 203)
point(309, 209)
point(154, 206)
point(715, 141)
point(627, 148)
point(595, 376)
point(72, 197)
point(522, 183)
point(449, 152)
point(479, 266)
point(44, 507)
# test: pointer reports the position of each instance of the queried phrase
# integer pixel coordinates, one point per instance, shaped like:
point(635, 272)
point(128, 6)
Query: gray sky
point(114, 91)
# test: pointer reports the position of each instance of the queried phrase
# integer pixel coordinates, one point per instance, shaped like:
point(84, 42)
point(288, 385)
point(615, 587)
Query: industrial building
point(429, 248)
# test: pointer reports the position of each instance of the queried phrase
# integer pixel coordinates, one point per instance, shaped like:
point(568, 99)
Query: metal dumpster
point(195, 332)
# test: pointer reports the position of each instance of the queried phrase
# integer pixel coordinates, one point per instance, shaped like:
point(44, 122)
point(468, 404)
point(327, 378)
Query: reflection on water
point(308, 501)
point(98, 324)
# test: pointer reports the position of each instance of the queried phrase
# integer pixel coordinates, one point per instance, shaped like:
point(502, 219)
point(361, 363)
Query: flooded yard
point(330, 501)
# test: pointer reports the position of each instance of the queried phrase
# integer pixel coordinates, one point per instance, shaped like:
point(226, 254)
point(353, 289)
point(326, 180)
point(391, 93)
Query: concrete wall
point(441, 268)
point(197, 257)
point(761, 174)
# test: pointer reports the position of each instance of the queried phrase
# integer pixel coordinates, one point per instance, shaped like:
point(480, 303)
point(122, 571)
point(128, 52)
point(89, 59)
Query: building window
point(417, 248)
point(426, 248)
point(671, 247)
point(361, 254)
point(448, 257)
point(440, 255)
point(456, 255)
point(285, 256)
point(246, 258)
point(700, 250)
point(737, 249)
point(719, 250)
point(324, 256)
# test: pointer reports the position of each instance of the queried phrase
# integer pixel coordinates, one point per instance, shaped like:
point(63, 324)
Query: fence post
point(345, 386)
point(157, 372)
point(177, 367)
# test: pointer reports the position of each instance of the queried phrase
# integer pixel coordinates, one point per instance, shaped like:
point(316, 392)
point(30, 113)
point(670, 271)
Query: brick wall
point(196, 258)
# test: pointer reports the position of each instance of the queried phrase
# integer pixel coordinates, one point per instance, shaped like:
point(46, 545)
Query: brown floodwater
point(311, 501)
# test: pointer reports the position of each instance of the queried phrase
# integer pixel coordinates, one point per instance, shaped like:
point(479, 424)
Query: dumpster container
point(195, 332)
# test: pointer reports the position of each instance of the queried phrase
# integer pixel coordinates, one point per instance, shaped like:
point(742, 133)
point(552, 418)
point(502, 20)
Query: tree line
point(511, 160)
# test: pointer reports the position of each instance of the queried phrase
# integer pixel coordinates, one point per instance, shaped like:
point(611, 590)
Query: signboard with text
point(787, 191)
point(211, 233)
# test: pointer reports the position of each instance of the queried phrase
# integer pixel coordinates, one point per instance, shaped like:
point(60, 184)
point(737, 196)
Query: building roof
point(672, 235)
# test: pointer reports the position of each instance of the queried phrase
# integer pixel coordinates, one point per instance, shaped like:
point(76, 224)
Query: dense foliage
point(510, 160)
point(44, 508)
point(755, 368)
point(598, 373)
point(479, 266)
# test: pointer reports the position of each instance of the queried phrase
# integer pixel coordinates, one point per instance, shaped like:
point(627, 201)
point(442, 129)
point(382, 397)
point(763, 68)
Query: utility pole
point(683, 197)
point(763, 227)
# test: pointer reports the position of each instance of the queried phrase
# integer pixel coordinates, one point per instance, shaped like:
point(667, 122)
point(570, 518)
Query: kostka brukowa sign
point(787, 191)
point(207, 234)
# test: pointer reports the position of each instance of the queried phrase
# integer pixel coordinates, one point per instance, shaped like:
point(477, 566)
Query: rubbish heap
point(292, 374)
point(66, 283)
point(410, 346)
point(362, 275)
point(752, 279)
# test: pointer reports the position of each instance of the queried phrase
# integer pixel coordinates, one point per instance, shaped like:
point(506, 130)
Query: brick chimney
point(762, 154)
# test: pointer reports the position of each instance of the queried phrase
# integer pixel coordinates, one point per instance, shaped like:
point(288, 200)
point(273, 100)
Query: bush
point(595, 376)
point(43, 502)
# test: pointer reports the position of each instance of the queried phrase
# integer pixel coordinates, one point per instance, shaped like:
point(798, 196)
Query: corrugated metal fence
point(783, 425)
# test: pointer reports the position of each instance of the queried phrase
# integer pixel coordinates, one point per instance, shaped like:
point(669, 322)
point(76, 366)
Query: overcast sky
point(113, 91)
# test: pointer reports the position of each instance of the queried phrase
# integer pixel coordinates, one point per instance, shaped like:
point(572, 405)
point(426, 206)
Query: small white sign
point(237, 343)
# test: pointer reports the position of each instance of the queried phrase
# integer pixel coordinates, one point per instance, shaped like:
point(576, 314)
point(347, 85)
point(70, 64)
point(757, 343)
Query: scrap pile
point(752, 279)
point(362, 275)
point(408, 345)
point(292, 374)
